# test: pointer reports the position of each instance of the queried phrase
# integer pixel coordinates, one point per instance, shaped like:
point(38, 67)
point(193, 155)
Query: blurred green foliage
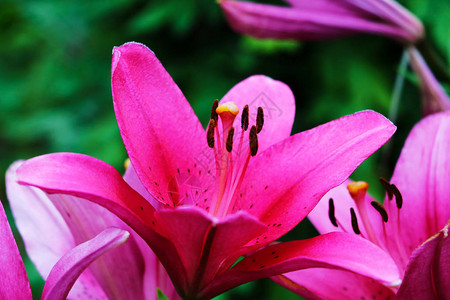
point(55, 78)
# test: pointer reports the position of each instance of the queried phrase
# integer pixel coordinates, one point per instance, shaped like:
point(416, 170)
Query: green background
point(55, 92)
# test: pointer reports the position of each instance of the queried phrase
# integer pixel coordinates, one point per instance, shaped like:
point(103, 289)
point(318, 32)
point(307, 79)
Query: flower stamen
point(244, 118)
point(259, 120)
point(210, 133)
point(331, 212)
point(354, 221)
point(381, 210)
point(229, 143)
point(253, 139)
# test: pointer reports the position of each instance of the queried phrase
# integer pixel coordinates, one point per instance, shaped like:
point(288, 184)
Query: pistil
point(358, 190)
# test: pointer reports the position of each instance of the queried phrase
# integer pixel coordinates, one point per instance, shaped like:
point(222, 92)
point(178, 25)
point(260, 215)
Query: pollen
point(230, 107)
point(357, 187)
point(126, 163)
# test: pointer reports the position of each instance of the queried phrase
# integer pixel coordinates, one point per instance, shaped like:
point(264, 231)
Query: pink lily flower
point(433, 95)
point(57, 223)
point(14, 283)
point(323, 19)
point(412, 229)
point(195, 190)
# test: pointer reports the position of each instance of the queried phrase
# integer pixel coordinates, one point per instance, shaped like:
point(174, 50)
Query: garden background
point(55, 90)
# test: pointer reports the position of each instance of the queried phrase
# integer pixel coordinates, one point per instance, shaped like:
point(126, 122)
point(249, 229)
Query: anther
point(210, 133)
point(398, 196)
point(253, 138)
point(331, 212)
point(354, 221)
point(259, 120)
point(244, 118)
point(387, 186)
point(229, 144)
point(214, 115)
point(381, 210)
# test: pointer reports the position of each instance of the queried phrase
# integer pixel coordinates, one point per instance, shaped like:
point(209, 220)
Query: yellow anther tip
point(228, 107)
point(126, 163)
point(356, 187)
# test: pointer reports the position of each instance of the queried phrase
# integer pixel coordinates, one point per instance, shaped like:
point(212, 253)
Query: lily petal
point(428, 273)
point(14, 283)
point(333, 250)
point(86, 177)
point(276, 100)
point(433, 95)
point(89, 178)
point(204, 243)
point(119, 272)
point(333, 284)
point(70, 266)
point(420, 174)
point(158, 127)
point(306, 166)
point(268, 21)
point(45, 233)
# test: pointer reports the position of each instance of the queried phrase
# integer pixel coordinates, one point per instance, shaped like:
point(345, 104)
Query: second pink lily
point(412, 226)
point(203, 199)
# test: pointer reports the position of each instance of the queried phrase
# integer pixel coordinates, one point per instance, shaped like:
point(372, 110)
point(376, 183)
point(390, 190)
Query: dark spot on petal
point(251, 206)
point(178, 170)
point(189, 170)
point(206, 199)
point(153, 222)
point(266, 187)
point(195, 165)
point(276, 256)
point(253, 260)
point(261, 266)
point(142, 208)
point(156, 183)
point(278, 225)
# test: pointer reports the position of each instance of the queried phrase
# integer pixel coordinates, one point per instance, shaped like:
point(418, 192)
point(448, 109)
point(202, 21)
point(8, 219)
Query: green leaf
point(161, 295)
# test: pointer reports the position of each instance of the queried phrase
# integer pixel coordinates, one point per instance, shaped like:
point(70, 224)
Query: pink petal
point(86, 177)
point(91, 179)
point(333, 284)
point(332, 250)
point(155, 276)
point(71, 265)
point(45, 233)
point(420, 175)
point(14, 283)
point(285, 182)
point(119, 272)
point(159, 128)
point(433, 95)
point(204, 244)
point(277, 102)
point(428, 273)
point(133, 180)
point(268, 21)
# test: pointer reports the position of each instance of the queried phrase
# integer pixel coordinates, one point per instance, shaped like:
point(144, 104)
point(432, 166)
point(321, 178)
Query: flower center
point(231, 155)
point(364, 225)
